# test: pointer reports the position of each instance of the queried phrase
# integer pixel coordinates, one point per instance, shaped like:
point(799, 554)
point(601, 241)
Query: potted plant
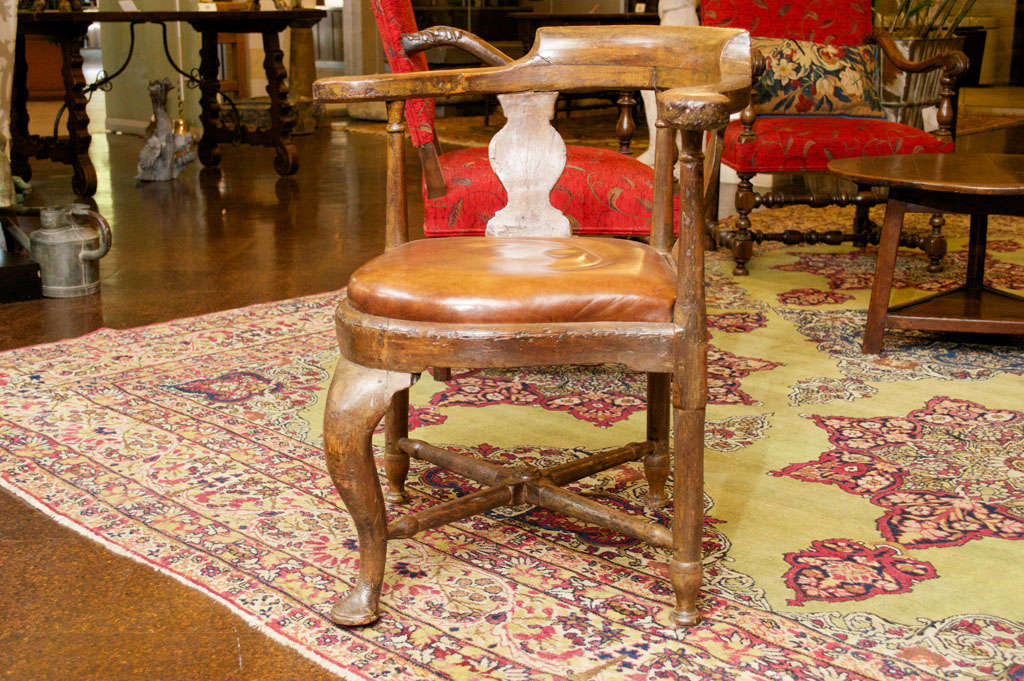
point(920, 29)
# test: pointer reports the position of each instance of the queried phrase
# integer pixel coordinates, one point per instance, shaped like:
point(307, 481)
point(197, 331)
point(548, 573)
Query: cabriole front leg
point(356, 402)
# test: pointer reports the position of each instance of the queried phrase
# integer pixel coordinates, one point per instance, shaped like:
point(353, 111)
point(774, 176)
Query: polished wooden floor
point(70, 609)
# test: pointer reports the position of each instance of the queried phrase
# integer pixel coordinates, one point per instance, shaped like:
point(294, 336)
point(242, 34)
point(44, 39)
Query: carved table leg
point(19, 113)
point(209, 87)
point(396, 462)
point(656, 464)
point(356, 402)
point(282, 114)
point(882, 284)
point(976, 252)
point(83, 179)
point(934, 245)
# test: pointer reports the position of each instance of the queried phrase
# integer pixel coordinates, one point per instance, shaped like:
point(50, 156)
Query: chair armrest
point(704, 107)
point(953, 63)
point(438, 36)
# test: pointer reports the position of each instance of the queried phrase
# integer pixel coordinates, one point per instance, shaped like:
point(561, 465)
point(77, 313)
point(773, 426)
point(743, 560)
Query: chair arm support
point(705, 107)
point(952, 63)
point(438, 36)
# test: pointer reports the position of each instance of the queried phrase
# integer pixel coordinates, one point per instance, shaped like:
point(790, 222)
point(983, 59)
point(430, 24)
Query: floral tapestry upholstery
point(819, 21)
point(395, 17)
point(601, 192)
point(814, 78)
point(807, 143)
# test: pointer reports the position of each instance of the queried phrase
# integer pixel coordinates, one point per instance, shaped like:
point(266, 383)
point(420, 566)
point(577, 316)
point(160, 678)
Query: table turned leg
point(282, 114)
point(19, 113)
point(209, 87)
point(976, 251)
point(884, 268)
point(83, 179)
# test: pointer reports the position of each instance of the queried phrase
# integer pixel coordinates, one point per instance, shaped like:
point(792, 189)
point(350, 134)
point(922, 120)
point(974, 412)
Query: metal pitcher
point(68, 251)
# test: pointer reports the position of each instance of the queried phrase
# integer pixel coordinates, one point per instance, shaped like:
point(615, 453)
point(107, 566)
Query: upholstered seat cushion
point(517, 280)
point(601, 192)
point(808, 143)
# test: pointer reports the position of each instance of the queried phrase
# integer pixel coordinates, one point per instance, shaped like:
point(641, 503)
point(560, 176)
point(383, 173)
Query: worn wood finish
point(356, 401)
point(741, 239)
point(570, 59)
point(528, 156)
point(438, 36)
point(701, 76)
point(978, 184)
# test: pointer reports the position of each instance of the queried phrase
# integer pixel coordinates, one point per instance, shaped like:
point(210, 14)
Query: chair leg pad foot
point(686, 618)
point(353, 610)
point(396, 497)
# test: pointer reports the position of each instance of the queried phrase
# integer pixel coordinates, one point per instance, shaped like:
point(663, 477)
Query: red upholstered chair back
point(819, 21)
point(395, 18)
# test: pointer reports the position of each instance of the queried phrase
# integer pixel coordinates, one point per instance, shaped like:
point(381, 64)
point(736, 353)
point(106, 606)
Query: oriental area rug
point(864, 514)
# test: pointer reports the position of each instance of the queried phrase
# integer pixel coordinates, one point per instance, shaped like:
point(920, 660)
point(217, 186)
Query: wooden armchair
point(817, 98)
point(529, 293)
point(601, 191)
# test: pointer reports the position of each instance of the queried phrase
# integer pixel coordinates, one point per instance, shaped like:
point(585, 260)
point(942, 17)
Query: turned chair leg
point(356, 402)
point(742, 242)
point(934, 244)
point(685, 567)
point(396, 462)
point(656, 464)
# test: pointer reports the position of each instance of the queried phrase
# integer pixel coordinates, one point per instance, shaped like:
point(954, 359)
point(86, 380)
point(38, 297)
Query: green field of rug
point(864, 514)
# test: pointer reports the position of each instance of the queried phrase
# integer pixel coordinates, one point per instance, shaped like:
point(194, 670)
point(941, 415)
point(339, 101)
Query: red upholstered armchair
point(601, 191)
point(818, 98)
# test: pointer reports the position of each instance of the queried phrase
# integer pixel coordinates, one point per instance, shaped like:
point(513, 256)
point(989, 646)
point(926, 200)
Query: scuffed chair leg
point(396, 462)
point(685, 567)
point(656, 464)
point(356, 402)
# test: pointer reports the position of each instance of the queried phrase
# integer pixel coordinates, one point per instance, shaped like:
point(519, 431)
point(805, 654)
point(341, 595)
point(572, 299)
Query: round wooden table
point(977, 184)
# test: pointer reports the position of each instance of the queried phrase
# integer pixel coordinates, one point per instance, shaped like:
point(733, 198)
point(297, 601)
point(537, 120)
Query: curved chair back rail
point(574, 58)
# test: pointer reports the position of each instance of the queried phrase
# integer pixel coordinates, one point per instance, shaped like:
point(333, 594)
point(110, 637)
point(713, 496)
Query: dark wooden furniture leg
point(83, 179)
point(396, 461)
point(356, 402)
point(19, 113)
point(656, 462)
point(976, 252)
point(209, 87)
point(882, 284)
point(282, 114)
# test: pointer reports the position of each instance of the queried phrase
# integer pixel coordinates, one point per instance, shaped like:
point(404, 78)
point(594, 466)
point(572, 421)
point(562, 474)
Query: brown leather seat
point(517, 280)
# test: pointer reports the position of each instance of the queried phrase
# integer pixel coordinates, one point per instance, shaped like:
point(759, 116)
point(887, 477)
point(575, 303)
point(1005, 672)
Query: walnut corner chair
point(601, 191)
point(539, 295)
point(817, 97)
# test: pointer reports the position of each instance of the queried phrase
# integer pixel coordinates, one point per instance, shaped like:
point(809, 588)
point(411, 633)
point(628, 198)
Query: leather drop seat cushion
point(517, 280)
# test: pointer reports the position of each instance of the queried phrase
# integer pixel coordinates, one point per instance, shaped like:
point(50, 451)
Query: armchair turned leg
point(656, 464)
point(741, 241)
point(685, 567)
point(934, 245)
point(396, 462)
point(356, 402)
